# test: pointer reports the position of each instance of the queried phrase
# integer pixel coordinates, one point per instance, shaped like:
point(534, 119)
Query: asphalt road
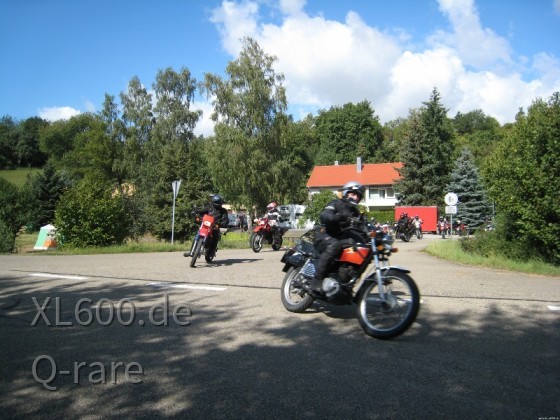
point(485, 345)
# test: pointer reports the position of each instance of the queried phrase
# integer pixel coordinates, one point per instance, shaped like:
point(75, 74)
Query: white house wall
point(380, 203)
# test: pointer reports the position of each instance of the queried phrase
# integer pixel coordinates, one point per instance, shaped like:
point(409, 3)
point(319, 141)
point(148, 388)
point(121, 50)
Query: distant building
point(377, 178)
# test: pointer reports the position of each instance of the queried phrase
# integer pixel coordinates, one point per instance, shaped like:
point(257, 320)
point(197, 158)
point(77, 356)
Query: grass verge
point(451, 250)
point(25, 243)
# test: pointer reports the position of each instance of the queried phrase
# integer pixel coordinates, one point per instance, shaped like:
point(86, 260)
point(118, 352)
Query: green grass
point(17, 176)
point(26, 241)
point(451, 250)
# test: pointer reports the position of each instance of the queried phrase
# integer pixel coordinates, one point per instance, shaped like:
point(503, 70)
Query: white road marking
point(58, 276)
point(553, 308)
point(185, 286)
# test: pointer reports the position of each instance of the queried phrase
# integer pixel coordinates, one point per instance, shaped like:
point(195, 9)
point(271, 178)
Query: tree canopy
point(524, 180)
point(348, 132)
point(427, 155)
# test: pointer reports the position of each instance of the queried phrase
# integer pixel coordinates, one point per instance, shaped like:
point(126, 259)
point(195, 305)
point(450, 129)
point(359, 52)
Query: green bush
point(7, 238)
point(10, 215)
point(90, 214)
point(316, 205)
point(492, 243)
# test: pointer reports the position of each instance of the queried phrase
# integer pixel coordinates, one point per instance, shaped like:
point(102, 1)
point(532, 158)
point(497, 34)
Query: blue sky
point(60, 57)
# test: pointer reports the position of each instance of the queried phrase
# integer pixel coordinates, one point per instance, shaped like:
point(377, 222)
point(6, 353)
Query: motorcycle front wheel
point(389, 317)
point(256, 241)
point(294, 297)
point(196, 251)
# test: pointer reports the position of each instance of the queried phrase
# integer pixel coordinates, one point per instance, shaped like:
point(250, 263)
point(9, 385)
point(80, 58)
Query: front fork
point(379, 277)
point(195, 240)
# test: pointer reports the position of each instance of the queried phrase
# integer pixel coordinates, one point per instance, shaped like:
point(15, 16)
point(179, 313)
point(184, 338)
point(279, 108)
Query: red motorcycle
point(461, 229)
point(442, 228)
point(266, 230)
point(204, 240)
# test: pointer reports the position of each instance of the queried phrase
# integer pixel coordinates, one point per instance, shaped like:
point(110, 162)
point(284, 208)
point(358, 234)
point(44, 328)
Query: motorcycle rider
point(331, 238)
point(273, 215)
point(214, 208)
point(418, 225)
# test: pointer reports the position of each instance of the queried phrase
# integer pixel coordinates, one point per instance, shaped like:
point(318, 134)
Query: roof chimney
point(336, 163)
point(358, 164)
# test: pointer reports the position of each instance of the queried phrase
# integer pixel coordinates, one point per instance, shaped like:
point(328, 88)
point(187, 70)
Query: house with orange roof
point(377, 178)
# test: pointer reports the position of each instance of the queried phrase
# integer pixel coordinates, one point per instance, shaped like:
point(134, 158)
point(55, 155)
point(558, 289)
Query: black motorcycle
point(404, 231)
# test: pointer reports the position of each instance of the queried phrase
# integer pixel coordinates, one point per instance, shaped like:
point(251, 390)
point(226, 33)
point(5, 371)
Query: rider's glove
point(343, 216)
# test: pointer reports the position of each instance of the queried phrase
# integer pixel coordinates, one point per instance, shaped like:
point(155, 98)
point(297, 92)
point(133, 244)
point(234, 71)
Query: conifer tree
point(41, 194)
point(472, 208)
point(427, 155)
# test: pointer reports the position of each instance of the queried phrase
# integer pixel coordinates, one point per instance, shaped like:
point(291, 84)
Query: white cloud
point(556, 7)
point(58, 113)
point(235, 21)
point(205, 125)
point(477, 46)
point(330, 63)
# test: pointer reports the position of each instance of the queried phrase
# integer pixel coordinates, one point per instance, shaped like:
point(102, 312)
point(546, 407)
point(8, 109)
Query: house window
point(381, 193)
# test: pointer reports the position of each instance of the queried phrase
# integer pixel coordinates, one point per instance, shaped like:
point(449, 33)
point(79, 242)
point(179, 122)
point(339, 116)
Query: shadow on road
point(228, 363)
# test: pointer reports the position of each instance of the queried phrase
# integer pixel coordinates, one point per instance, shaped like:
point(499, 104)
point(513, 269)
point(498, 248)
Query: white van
point(291, 214)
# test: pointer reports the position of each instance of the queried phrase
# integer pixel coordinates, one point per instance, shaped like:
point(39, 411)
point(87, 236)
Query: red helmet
point(271, 206)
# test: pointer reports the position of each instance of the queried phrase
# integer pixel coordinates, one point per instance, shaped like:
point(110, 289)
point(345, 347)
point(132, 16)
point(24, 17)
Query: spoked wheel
point(392, 316)
point(196, 251)
point(256, 241)
point(294, 297)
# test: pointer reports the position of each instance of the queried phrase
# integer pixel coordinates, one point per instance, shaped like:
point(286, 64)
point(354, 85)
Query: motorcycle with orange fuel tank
point(387, 299)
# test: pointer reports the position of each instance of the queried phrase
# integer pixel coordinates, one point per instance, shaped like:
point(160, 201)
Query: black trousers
point(328, 247)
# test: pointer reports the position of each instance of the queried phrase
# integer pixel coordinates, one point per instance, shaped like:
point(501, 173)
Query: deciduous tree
point(348, 132)
point(523, 178)
point(249, 111)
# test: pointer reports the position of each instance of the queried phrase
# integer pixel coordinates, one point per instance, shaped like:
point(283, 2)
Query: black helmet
point(353, 187)
point(217, 201)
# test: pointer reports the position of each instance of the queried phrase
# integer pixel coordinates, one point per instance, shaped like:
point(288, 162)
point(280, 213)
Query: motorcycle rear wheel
point(256, 241)
point(196, 251)
point(385, 319)
point(277, 243)
point(294, 297)
point(209, 255)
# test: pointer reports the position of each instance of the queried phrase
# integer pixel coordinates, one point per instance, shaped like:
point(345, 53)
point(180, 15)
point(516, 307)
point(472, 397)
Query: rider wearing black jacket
point(215, 209)
point(330, 240)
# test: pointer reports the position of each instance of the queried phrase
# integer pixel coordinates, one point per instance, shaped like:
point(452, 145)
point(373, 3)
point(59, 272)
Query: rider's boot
point(190, 253)
point(316, 285)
